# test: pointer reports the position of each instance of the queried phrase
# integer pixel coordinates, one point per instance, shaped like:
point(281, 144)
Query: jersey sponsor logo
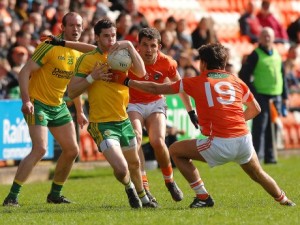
point(217, 75)
point(156, 76)
point(62, 73)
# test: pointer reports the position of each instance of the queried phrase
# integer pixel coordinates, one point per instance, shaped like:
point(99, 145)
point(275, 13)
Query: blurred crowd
point(22, 22)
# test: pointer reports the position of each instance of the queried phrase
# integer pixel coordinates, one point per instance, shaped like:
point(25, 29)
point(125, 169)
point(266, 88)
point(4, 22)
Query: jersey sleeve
point(177, 86)
point(42, 54)
point(81, 68)
point(247, 94)
point(172, 68)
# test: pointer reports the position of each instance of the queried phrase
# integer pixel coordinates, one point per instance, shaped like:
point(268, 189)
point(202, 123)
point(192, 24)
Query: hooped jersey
point(49, 83)
point(107, 100)
point(164, 67)
point(219, 98)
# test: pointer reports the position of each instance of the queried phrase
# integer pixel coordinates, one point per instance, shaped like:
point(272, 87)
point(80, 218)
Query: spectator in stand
point(171, 25)
point(4, 44)
point(102, 10)
point(6, 17)
point(182, 30)
point(204, 33)
point(267, 19)
point(5, 76)
point(133, 34)
point(123, 23)
point(88, 36)
point(22, 39)
point(38, 6)
point(19, 58)
point(293, 31)
point(263, 73)
point(169, 44)
point(249, 23)
point(38, 22)
point(190, 71)
point(11, 9)
point(138, 18)
point(21, 9)
point(291, 69)
point(159, 24)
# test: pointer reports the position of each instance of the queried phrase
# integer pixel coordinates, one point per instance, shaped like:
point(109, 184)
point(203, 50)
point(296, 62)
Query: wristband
point(126, 81)
point(90, 79)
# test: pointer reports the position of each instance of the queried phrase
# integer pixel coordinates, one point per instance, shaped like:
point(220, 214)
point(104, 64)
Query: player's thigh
point(39, 136)
point(137, 122)
point(65, 135)
point(115, 157)
point(253, 167)
point(186, 149)
point(156, 126)
point(131, 156)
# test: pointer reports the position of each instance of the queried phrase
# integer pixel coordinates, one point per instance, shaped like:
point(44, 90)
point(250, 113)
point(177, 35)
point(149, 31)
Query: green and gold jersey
point(108, 101)
point(48, 84)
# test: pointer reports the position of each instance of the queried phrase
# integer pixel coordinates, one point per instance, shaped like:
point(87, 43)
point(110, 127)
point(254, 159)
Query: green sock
point(56, 190)
point(14, 190)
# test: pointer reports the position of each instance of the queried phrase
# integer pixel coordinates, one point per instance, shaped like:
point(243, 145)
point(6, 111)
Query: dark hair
point(64, 19)
point(150, 33)
point(103, 24)
point(214, 55)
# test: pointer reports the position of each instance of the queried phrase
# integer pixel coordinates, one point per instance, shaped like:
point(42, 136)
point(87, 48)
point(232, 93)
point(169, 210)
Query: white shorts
point(147, 109)
point(217, 151)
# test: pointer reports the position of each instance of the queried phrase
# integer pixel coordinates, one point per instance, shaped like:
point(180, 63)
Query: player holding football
point(219, 98)
point(108, 121)
point(43, 82)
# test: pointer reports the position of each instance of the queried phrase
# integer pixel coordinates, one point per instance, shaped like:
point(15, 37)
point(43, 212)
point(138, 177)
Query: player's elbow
point(71, 94)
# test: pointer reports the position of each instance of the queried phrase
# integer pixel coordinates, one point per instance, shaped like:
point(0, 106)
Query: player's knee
point(158, 143)
point(72, 153)
point(120, 172)
point(135, 165)
point(172, 150)
point(38, 152)
point(139, 137)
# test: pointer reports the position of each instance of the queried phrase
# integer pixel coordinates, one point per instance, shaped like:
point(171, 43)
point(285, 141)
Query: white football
point(119, 60)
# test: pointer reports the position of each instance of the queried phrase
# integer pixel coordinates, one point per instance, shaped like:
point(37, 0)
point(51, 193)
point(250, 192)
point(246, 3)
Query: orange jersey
point(164, 67)
point(219, 98)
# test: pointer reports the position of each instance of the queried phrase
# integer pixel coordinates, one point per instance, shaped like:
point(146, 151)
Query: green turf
point(100, 199)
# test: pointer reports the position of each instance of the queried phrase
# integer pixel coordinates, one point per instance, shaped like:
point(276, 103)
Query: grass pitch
point(100, 199)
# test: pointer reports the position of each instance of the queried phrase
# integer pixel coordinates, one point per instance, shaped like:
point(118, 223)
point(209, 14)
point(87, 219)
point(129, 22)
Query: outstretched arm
point(79, 46)
point(187, 103)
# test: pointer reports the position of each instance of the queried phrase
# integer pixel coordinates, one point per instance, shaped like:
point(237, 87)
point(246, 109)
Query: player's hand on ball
point(101, 72)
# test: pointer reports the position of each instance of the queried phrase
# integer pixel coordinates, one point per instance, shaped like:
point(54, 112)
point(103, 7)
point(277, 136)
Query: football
point(119, 60)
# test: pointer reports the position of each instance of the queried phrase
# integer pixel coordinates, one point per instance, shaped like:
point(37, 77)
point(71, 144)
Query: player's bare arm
point(81, 118)
point(252, 110)
point(79, 46)
point(138, 66)
point(30, 66)
point(152, 87)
